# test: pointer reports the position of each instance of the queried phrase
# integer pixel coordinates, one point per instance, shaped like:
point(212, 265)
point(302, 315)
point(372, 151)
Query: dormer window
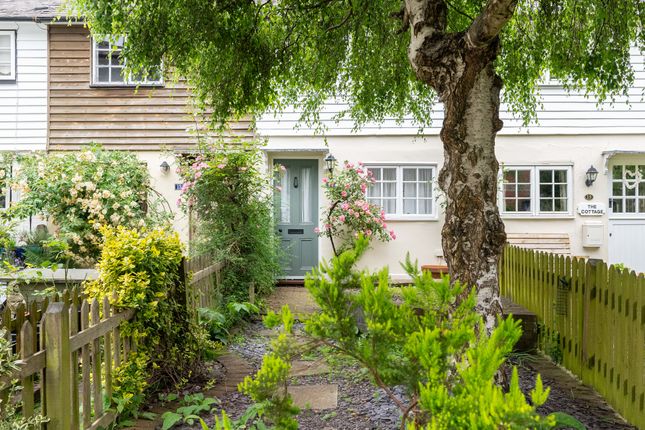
point(109, 67)
point(7, 55)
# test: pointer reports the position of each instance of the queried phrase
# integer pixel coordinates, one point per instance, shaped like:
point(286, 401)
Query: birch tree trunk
point(460, 67)
point(473, 234)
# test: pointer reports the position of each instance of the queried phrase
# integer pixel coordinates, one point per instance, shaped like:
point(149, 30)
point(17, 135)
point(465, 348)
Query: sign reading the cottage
point(591, 209)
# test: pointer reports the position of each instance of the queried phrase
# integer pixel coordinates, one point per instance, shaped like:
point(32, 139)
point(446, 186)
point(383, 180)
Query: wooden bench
point(437, 270)
point(557, 243)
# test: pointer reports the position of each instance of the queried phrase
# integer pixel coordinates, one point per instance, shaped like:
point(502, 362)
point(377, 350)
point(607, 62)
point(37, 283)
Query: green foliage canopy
point(246, 56)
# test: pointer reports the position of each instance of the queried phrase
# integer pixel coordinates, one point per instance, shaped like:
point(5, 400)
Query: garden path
point(334, 397)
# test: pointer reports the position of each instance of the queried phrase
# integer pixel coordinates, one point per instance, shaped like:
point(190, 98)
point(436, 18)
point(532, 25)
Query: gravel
point(361, 406)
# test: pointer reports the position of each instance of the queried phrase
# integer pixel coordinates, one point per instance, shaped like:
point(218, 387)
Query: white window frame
point(610, 210)
point(535, 211)
point(126, 82)
point(12, 42)
point(399, 215)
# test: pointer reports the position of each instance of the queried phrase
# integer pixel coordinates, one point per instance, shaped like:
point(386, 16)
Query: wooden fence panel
point(73, 330)
point(58, 368)
point(97, 387)
point(595, 313)
point(202, 276)
point(69, 349)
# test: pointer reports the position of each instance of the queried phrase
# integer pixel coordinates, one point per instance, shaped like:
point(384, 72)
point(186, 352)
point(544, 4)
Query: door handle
point(295, 182)
point(279, 230)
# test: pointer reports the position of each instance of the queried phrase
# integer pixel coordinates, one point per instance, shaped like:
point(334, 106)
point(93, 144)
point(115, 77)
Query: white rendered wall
point(423, 238)
point(164, 184)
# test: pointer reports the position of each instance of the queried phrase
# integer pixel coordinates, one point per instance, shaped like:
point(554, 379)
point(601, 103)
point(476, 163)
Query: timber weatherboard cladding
point(144, 118)
point(23, 102)
point(560, 113)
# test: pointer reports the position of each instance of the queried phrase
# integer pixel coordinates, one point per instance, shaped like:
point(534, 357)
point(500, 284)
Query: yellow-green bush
point(139, 269)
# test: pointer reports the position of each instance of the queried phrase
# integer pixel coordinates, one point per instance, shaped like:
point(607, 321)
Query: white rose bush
point(81, 192)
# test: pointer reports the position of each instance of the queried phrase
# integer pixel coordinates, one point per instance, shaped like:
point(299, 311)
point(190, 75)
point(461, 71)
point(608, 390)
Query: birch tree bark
point(460, 67)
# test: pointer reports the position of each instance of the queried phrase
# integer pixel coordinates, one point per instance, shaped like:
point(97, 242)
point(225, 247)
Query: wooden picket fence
point(69, 350)
point(204, 278)
point(593, 314)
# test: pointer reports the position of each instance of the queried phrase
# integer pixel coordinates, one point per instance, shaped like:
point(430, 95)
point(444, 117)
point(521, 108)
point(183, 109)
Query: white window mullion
point(535, 192)
point(418, 203)
point(399, 190)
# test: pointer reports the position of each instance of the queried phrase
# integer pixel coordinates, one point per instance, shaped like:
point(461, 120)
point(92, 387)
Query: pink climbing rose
point(350, 212)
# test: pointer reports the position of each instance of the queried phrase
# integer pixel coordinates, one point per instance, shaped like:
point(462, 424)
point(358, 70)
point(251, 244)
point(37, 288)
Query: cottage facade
point(544, 198)
point(23, 85)
point(61, 90)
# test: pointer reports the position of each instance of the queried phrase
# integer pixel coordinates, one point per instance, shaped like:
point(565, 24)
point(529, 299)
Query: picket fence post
point(59, 369)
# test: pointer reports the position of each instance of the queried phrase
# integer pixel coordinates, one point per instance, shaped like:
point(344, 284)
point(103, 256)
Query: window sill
point(538, 217)
point(127, 86)
point(398, 218)
point(8, 81)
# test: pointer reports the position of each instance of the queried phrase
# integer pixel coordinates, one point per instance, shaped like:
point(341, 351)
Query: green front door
point(297, 215)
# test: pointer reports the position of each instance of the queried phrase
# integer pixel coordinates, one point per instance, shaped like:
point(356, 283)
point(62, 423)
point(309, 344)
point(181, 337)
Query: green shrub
point(191, 406)
point(229, 193)
point(268, 388)
point(43, 249)
point(82, 191)
point(218, 322)
point(139, 269)
point(431, 342)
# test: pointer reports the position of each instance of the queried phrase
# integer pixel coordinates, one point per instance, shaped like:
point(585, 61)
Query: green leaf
point(563, 420)
point(171, 397)
point(187, 410)
point(148, 416)
point(170, 419)
point(210, 401)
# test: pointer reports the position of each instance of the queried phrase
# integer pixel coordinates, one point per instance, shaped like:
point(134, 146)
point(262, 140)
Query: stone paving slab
point(316, 397)
point(298, 299)
point(237, 368)
point(309, 368)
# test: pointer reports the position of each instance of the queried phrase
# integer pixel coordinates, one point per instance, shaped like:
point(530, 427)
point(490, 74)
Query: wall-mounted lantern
point(165, 167)
point(591, 175)
point(330, 162)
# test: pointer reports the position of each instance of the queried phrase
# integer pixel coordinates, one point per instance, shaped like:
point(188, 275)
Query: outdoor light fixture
point(165, 167)
point(330, 161)
point(592, 174)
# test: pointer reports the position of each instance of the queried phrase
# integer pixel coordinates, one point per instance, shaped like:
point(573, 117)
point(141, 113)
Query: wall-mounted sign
point(591, 209)
point(178, 187)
